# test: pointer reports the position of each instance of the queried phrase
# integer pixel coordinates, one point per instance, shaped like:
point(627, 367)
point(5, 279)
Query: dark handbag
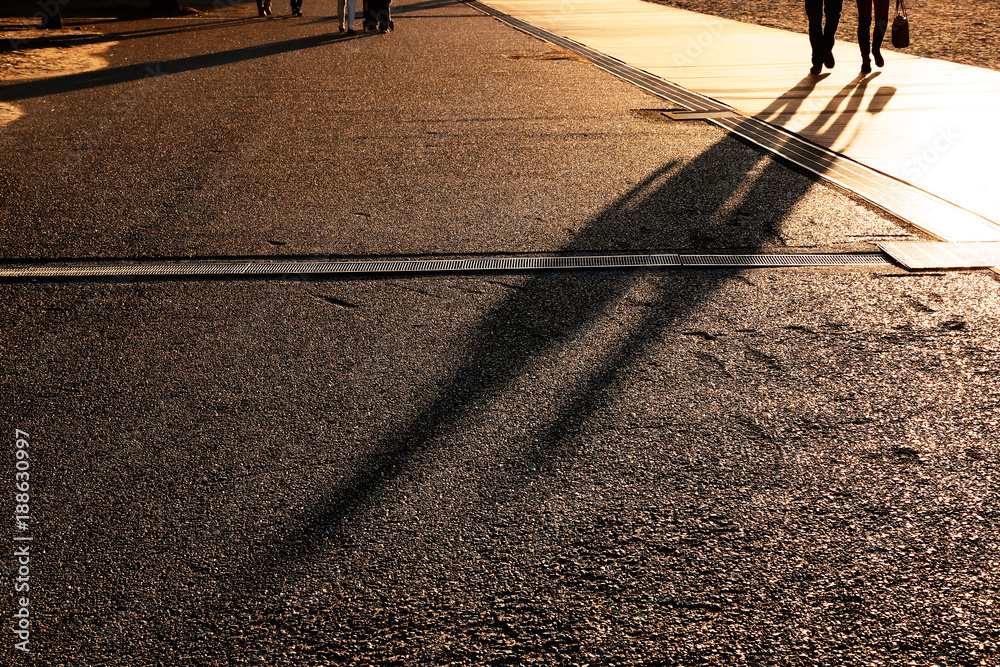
point(900, 27)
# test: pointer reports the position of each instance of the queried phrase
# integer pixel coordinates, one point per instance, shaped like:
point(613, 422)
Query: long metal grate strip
point(403, 266)
point(854, 259)
point(918, 207)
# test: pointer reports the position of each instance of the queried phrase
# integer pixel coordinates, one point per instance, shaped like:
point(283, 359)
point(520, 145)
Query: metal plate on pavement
point(940, 255)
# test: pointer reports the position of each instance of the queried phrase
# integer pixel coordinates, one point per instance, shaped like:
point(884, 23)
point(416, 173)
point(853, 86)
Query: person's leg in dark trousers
point(864, 33)
point(370, 16)
point(832, 9)
point(821, 36)
point(881, 25)
point(381, 10)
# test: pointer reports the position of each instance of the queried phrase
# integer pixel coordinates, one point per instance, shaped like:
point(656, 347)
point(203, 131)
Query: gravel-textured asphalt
point(761, 467)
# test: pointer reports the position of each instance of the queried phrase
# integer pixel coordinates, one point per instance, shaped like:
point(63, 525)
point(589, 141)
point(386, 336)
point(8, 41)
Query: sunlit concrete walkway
point(930, 123)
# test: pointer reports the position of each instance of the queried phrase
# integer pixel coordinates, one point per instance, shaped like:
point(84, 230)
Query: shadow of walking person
point(730, 196)
point(785, 107)
point(831, 125)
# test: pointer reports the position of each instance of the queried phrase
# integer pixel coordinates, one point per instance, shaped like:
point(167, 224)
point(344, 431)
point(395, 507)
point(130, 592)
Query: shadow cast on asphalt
point(84, 38)
point(129, 73)
point(548, 311)
point(728, 197)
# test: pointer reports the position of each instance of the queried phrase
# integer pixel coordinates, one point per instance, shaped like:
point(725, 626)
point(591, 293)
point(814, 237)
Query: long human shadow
point(825, 129)
point(828, 125)
point(721, 199)
point(729, 197)
point(128, 73)
point(785, 106)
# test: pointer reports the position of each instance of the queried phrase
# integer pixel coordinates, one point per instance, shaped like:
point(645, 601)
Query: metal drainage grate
point(390, 267)
point(944, 255)
point(856, 259)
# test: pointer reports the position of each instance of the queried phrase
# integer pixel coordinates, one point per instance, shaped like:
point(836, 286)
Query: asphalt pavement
point(652, 467)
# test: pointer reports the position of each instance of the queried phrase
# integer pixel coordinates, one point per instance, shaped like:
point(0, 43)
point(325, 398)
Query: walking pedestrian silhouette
point(822, 36)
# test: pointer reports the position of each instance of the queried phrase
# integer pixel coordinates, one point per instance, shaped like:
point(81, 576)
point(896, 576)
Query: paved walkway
point(927, 122)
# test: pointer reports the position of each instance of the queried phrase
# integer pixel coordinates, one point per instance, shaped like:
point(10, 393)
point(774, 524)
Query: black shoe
point(866, 66)
point(829, 61)
point(391, 26)
point(350, 31)
point(816, 69)
point(879, 60)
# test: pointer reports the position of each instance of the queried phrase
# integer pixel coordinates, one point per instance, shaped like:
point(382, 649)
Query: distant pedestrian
point(263, 7)
point(377, 15)
point(821, 37)
point(297, 7)
point(865, 24)
point(350, 15)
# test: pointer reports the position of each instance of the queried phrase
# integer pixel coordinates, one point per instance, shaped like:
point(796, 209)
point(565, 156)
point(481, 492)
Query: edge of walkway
point(941, 219)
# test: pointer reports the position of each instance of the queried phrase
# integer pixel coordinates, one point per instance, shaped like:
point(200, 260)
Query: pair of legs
point(865, 24)
point(263, 7)
point(296, 7)
point(377, 13)
point(350, 14)
point(821, 36)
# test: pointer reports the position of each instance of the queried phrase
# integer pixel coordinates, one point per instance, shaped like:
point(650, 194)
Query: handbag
point(900, 27)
